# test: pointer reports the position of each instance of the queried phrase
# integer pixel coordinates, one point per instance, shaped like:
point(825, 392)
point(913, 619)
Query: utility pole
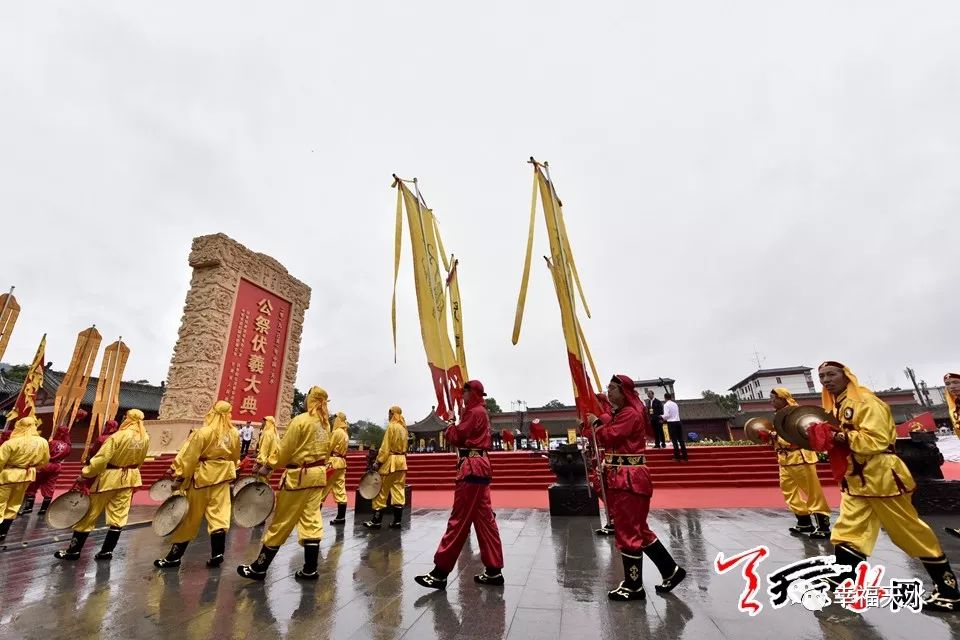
point(913, 379)
point(758, 358)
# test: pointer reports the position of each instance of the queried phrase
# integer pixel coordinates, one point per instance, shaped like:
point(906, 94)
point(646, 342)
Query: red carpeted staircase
point(708, 467)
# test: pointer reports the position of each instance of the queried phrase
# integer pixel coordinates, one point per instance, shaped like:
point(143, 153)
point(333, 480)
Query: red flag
point(922, 422)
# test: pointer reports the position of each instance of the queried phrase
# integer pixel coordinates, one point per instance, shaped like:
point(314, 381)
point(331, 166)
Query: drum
point(170, 514)
point(67, 510)
point(370, 485)
point(241, 483)
point(162, 489)
point(253, 504)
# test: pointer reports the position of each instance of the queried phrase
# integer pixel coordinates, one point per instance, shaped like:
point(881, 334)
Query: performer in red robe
point(623, 436)
point(109, 429)
point(471, 497)
point(47, 475)
point(506, 436)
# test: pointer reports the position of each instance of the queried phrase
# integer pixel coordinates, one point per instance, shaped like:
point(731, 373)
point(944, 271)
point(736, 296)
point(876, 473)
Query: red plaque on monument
point(253, 363)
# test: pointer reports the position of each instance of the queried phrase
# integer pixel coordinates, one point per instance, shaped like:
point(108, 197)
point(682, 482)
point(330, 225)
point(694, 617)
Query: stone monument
point(239, 341)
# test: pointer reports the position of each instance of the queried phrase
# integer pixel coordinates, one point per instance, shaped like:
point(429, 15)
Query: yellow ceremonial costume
point(876, 490)
point(19, 458)
point(337, 467)
point(952, 383)
point(392, 466)
point(800, 484)
point(269, 440)
point(303, 453)
point(207, 463)
point(115, 473)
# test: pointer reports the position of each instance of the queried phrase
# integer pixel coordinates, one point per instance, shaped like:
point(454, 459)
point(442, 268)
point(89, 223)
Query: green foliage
point(554, 404)
point(17, 372)
point(492, 406)
point(367, 432)
point(299, 401)
point(728, 401)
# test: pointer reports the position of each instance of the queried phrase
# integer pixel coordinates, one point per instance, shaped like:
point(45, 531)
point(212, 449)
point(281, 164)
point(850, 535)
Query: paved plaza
point(557, 575)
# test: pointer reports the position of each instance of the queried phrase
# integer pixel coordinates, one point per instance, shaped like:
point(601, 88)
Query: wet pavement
point(557, 576)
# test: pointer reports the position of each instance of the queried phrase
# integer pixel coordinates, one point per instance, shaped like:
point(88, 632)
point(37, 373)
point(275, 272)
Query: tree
point(17, 372)
point(728, 401)
point(492, 406)
point(366, 431)
point(554, 404)
point(299, 402)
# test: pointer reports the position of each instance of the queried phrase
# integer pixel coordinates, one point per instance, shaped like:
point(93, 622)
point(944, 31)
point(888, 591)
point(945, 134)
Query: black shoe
point(953, 532)
point(341, 514)
point(109, 544)
point(72, 552)
point(936, 602)
point(671, 572)
point(672, 581)
point(804, 525)
point(492, 577)
point(821, 524)
point(605, 530)
point(258, 570)
point(27, 506)
point(5, 528)
point(218, 544)
point(625, 594)
point(311, 556)
point(44, 506)
point(173, 556)
point(397, 517)
point(945, 593)
point(375, 521)
point(845, 556)
point(436, 579)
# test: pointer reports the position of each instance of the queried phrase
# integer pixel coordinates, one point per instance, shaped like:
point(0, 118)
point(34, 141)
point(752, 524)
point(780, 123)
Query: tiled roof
point(429, 424)
point(145, 397)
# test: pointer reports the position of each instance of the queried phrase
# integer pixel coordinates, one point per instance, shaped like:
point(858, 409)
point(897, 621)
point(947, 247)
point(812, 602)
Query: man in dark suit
point(655, 411)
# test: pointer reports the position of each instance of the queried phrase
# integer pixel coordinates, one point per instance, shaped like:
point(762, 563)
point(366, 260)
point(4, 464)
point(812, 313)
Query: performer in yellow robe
point(20, 456)
point(951, 382)
point(269, 440)
point(205, 466)
point(115, 472)
point(392, 466)
point(877, 486)
point(337, 468)
point(798, 480)
point(303, 453)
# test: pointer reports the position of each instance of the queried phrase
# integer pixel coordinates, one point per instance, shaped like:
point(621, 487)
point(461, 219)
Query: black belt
point(113, 466)
point(398, 453)
point(625, 459)
point(471, 453)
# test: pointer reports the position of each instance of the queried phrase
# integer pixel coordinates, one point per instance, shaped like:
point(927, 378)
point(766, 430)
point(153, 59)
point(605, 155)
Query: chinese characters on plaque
point(253, 366)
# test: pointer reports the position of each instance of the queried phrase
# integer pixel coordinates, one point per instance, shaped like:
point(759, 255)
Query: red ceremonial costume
point(471, 497)
point(47, 475)
point(622, 435)
point(109, 429)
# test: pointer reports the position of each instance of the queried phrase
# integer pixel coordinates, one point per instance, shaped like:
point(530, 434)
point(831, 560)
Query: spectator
point(671, 415)
point(655, 411)
point(246, 436)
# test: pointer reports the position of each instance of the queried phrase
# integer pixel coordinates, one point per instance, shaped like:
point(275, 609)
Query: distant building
point(757, 386)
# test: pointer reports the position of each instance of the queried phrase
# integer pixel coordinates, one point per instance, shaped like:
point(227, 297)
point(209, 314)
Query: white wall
point(760, 388)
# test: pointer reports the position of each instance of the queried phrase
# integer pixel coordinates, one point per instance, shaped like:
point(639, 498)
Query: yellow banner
point(26, 404)
point(9, 312)
point(107, 399)
point(74, 385)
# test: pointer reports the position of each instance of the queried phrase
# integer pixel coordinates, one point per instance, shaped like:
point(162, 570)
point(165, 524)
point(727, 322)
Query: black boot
point(945, 596)
point(173, 556)
point(436, 579)
point(397, 517)
point(953, 532)
point(72, 552)
point(821, 523)
point(218, 542)
point(27, 506)
point(109, 544)
point(632, 586)
point(804, 526)
point(375, 521)
point(258, 570)
point(672, 573)
point(311, 554)
point(606, 530)
point(845, 556)
point(490, 576)
point(341, 514)
point(4, 528)
point(44, 506)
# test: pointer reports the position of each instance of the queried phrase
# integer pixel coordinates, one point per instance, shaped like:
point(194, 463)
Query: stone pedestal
point(364, 507)
point(166, 436)
point(571, 495)
point(576, 500)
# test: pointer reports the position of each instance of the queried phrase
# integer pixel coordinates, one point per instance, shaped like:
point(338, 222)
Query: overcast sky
point(767, 176)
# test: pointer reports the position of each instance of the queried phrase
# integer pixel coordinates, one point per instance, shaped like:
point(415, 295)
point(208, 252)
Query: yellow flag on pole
point(26, 404)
